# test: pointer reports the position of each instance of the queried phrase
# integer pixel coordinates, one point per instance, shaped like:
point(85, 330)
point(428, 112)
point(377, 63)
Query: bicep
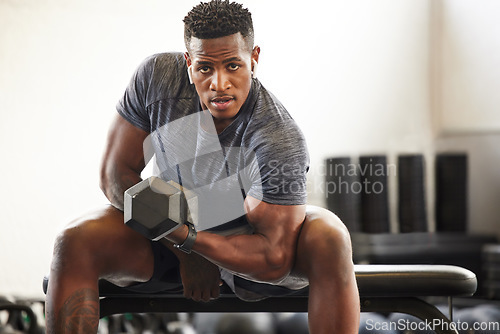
point(278, 224)
point(124, 148)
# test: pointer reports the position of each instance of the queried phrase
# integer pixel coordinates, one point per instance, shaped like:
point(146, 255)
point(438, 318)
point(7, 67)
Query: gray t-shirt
point(262, 153)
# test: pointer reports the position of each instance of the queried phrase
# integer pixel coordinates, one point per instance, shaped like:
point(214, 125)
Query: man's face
point(222, 74)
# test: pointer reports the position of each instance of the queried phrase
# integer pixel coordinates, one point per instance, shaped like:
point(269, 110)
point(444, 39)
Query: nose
point(220, 81)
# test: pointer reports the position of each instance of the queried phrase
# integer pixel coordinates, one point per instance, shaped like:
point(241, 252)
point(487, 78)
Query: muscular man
point(213, 128)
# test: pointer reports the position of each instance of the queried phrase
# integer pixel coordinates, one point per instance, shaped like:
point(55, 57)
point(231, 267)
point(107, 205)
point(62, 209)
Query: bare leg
point(324, 256)
point(96, 246)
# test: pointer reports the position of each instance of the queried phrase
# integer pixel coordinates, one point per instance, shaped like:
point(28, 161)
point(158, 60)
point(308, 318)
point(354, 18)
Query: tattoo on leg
point(80, 313)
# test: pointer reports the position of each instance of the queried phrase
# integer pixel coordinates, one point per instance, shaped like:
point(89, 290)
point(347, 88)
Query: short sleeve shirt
point(262, 153)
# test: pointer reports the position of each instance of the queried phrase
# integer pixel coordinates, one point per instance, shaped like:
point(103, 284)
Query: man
point(221, 130)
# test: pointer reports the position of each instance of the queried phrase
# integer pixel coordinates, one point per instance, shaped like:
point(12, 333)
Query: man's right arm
point(121, 168)
point(123, 160)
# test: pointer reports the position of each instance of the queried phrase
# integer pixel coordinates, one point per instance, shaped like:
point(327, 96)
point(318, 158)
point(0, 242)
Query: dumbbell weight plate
point(154, 208)
point(189, 204)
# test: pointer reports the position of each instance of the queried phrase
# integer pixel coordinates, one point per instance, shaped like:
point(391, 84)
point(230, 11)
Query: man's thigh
point(100, 240)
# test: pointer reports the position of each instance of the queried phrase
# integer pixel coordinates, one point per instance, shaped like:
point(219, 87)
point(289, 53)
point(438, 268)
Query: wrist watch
point(190, 239)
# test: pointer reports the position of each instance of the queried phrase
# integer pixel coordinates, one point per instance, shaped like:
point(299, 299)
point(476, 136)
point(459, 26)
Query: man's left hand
point(200, 278)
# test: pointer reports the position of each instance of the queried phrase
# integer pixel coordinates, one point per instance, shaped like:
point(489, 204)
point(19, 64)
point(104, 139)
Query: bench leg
point(436, 320)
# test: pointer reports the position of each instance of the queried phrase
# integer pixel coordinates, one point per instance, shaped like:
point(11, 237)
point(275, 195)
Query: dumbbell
point(155, 208)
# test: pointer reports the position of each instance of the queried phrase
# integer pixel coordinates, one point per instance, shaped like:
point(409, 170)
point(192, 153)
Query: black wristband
point(190, 239)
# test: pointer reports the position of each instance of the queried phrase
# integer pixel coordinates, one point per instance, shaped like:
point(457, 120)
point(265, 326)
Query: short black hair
point(218, 18)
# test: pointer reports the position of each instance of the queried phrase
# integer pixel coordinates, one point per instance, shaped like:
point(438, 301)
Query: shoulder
point(165, 67)
point(165, 61)
point(272, 124)
point(165, 76)
point(280, 151)
point(275, 138)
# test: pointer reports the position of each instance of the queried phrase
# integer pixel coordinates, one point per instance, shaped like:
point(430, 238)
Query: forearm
point(253, 256)
point(114, 183)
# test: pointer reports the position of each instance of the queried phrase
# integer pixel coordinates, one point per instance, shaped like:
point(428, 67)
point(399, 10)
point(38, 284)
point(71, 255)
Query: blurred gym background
point(407, 86)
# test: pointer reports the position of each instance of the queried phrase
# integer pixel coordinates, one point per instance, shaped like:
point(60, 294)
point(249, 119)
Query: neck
point(221, 124)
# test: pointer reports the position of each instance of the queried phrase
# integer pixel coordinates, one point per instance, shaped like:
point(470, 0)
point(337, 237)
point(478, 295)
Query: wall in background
point(360, 77)
point(468, 59)
point(465, 76)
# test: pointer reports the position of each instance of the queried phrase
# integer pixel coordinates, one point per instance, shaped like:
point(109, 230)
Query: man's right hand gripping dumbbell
point(155, 208)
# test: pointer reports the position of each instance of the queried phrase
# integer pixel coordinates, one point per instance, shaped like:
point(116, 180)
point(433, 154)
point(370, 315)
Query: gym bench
point(382, 288)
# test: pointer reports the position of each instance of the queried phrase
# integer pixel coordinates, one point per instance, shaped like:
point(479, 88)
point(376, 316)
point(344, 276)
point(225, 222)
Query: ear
point(188, 59)
point(189, 67)
point(255, 56)
point(255, 61)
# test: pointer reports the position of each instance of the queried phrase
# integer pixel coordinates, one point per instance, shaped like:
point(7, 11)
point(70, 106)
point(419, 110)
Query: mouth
point(221, 103)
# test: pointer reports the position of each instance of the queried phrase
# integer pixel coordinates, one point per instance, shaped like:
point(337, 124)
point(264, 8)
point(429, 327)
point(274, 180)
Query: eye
point(204, 69)
point(233, 67)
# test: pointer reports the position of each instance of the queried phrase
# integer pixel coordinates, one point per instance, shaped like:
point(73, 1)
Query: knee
point(324, 249)
point(326, 233)
point(73, 245)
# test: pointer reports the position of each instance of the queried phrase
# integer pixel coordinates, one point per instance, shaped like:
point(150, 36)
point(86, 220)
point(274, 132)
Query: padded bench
point(382, 288)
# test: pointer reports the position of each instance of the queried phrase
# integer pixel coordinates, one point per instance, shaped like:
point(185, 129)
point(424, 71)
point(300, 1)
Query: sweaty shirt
point(262, 153)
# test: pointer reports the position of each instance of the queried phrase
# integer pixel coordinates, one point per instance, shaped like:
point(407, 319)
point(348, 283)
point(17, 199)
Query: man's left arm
point(268, 255)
